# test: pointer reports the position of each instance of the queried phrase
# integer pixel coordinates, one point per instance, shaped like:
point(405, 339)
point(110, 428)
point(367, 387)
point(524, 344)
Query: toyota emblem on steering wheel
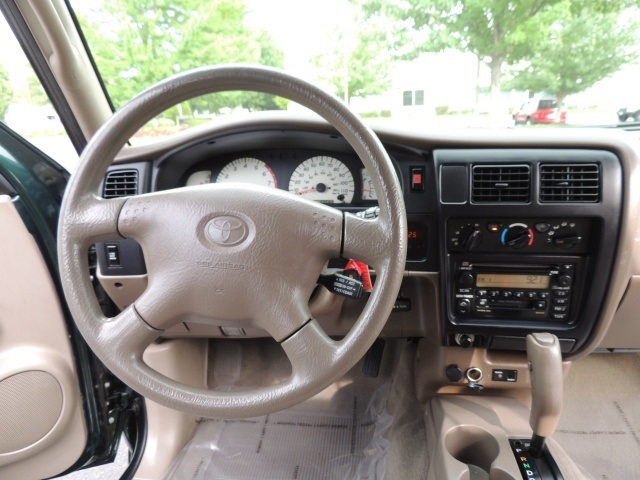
point(226, 230)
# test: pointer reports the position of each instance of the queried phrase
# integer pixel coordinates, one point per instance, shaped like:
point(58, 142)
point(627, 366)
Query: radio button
point(540, 305)
point(559, 308)
point(463, 306)
point(543, 295)
point(561, 293)
point(567, 267)
point(532, 295)
point(560, 301)
point(481, 293)
point(494, 294)
point(506, 294)
point(482, 302)
point(519, 295)
point(559, 316)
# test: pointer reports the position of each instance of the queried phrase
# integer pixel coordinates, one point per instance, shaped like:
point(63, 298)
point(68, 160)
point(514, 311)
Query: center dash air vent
point(501, 184)
point(570, 183)
point(120, 183)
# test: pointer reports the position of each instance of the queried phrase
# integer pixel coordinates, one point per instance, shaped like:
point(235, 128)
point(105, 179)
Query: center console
point(526, 244)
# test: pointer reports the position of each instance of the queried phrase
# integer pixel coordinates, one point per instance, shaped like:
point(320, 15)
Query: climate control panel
point(534, 235)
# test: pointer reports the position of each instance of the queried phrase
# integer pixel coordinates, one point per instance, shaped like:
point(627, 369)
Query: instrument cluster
point(312, 175)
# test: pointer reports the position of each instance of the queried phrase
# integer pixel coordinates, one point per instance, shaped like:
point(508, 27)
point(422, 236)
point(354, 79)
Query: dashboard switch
point(454, 373)
point(510, 376)
point(113, 254)
point(417, 179)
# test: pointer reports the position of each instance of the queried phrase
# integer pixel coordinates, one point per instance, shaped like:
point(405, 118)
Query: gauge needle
point(312, 189)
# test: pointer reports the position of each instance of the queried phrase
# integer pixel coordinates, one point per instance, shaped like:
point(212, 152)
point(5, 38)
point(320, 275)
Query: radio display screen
point(499, 280)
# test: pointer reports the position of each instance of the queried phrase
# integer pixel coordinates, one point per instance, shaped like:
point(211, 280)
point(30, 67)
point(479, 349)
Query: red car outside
point(539, 111)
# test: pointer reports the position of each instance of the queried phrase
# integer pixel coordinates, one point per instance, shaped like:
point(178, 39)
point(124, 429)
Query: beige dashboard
point(615, 327)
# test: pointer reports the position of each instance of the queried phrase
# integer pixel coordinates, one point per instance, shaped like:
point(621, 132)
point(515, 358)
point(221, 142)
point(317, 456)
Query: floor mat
point(600, 423)
point(344, 441)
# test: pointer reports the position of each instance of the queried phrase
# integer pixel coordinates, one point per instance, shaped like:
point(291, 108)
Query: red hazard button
point(417, 179)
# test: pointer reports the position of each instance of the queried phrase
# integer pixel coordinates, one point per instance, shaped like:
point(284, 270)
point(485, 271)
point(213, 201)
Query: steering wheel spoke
point(93, 219)
point(310, 351)
point(366, 240)
point(127, 333)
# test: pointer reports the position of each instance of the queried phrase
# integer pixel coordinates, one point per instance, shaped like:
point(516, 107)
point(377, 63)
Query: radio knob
point(465, 280)
point(517, 237)
point(564, 280)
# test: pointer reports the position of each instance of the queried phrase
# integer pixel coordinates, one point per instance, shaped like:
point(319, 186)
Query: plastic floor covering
point(338, 435)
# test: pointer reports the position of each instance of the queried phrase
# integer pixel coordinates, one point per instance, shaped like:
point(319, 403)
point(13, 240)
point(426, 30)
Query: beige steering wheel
point(230, 254)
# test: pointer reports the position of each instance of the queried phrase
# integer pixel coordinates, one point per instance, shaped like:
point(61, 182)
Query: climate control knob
point(517, 236)
point(471, 238)
point(566, 238)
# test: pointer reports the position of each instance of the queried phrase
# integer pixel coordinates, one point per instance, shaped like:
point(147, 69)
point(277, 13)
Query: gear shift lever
point(545, 365)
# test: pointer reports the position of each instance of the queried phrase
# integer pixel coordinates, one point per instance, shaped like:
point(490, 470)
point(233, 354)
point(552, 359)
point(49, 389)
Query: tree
point(357, 64)
point(583, 46)
point(6, 92)
point(498, 32)
point(37, 95)
point(145, 41)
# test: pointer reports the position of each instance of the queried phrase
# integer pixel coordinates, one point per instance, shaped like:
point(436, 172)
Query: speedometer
point(248, 170)
point(323, 179)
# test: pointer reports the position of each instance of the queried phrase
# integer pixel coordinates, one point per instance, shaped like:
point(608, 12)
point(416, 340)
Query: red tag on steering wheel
point(363, 270)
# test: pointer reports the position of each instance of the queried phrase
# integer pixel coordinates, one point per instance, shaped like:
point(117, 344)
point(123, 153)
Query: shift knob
point(545, 365)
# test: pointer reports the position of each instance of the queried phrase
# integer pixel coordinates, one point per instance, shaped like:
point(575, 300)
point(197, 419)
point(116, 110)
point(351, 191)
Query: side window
point(24, 105)
point(419, 97)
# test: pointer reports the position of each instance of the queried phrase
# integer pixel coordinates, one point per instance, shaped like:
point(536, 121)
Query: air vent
point(501, 184)
point(120, 183)
point(570, 183)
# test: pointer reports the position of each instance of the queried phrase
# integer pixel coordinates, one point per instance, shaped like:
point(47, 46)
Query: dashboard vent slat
point(570, 183)
point(501, 184)
point(120, 183)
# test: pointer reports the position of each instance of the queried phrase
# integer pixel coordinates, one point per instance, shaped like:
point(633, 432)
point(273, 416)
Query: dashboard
point(508, 234)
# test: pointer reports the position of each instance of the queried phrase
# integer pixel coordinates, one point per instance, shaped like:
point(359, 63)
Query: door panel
point(42, 428)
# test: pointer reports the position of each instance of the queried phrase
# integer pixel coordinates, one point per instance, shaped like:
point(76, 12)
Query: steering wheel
point(230, 254)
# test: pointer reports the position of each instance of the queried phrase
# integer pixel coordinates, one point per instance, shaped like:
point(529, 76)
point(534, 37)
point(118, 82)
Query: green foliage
point(6, 92)
point(37, 95)
point(567, 45)
point(582, 47)
point(496, 31)
point(143, 41)
point(357, 65)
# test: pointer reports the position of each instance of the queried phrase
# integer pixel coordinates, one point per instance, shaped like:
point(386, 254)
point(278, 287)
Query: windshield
point(414, 63)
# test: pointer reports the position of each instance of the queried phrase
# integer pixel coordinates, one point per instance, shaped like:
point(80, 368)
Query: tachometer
point(248, 170)
point(199, 178)
point(323, 179)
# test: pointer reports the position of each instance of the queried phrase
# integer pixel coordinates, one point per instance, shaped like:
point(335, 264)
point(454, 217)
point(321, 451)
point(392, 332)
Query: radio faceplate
point(514, 291)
